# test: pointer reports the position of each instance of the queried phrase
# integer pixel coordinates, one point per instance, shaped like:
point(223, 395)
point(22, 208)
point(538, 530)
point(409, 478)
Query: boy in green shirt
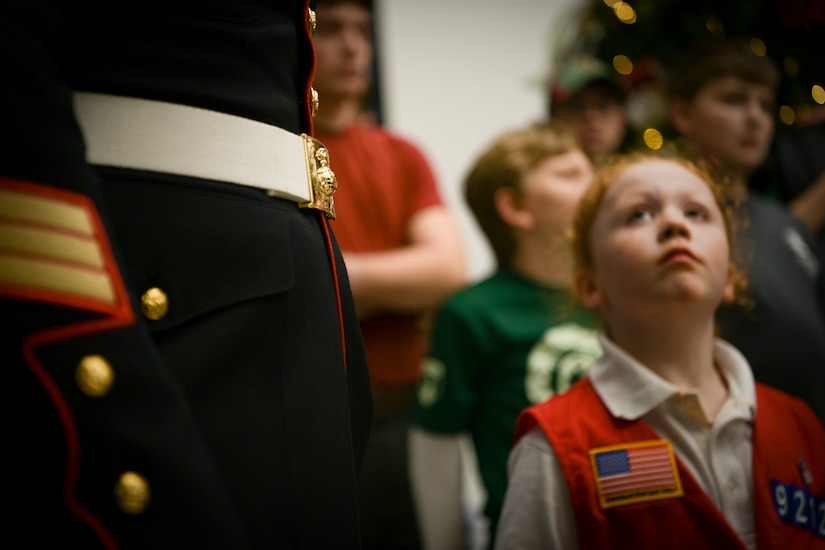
point(509, 341)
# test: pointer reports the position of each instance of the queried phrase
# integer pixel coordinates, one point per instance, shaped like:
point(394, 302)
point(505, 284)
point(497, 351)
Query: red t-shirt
point(383, 181)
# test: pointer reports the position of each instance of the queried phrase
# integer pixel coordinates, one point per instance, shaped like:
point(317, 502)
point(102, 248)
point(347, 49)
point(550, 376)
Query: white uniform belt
point(179, 139)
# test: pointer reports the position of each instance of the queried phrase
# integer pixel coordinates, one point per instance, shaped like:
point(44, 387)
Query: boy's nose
point(672, 230)
point(673, 226)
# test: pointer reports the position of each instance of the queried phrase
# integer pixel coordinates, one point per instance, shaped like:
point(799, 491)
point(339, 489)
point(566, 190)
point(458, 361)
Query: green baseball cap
point(578, 71)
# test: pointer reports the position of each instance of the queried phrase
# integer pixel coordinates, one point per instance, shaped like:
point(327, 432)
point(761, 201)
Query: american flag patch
point(635, 472)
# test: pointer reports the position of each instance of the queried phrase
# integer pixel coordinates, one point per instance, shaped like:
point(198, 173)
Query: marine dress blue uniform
point(183, 368)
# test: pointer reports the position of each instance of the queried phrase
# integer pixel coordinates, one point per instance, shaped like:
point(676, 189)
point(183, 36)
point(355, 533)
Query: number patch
point(797, 506)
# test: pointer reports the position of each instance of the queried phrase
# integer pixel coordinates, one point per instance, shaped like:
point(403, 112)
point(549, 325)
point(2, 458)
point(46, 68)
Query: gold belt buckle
point(322, 181)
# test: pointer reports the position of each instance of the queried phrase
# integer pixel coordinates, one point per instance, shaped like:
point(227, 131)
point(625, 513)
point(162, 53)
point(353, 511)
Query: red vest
point(789, 509)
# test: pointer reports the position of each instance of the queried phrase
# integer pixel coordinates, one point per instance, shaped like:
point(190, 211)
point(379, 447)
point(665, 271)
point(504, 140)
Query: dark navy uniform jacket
point(223, 408)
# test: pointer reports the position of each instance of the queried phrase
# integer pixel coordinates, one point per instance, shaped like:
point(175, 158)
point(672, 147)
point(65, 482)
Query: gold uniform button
point(154, 303)
point(313, 22)
point(94, 376)
point(132, 493)
point(315, 102)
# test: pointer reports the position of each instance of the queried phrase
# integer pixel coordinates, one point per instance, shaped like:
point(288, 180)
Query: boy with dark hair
point(721, 100)
point(587, 97)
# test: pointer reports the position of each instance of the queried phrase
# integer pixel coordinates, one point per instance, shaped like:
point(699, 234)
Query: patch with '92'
point(799, 507)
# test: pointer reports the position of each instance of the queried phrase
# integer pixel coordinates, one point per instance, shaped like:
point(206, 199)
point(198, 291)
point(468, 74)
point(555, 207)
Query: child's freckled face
point(659, 237)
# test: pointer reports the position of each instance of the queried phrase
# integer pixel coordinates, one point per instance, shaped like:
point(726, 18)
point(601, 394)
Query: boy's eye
point(639, 215)
point(733, 98)
point(697, 213)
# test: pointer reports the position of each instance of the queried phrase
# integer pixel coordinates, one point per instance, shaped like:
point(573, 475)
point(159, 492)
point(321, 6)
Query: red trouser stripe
point(333, 265)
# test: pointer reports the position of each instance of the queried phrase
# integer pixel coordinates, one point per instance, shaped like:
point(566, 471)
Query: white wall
point(455, 74)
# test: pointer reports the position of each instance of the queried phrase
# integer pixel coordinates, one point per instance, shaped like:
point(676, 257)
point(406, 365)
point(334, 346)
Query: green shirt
point(497, 347)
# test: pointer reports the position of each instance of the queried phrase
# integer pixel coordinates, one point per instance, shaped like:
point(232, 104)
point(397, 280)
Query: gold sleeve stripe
point(55, 277)
point(37, 209)
point(35, 241)
point(49, 247)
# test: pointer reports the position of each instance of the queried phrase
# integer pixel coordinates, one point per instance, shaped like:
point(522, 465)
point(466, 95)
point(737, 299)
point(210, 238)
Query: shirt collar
point(738, 374)
point(630, 390)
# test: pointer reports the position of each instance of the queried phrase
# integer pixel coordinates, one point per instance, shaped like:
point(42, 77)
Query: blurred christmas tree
point(640, 36)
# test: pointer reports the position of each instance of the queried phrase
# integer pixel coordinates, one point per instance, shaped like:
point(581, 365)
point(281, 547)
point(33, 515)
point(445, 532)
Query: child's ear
point(586, 289)
point(511, 210)
point(679, 113)
point(729, 295)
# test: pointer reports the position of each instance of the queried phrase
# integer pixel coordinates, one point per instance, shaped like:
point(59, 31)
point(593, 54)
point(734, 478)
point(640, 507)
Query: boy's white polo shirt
point(717, 454)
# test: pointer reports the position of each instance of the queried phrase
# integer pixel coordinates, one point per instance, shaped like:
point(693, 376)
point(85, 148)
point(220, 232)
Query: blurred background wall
point(455, 74)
